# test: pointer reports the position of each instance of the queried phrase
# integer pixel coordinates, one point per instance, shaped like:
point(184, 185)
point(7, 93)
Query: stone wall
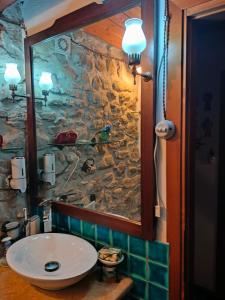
point(92, 88)
point(12, 115)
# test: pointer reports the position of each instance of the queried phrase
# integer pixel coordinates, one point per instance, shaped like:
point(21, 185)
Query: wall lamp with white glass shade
point(134, 43)
point(45, 84)
point(12, 77)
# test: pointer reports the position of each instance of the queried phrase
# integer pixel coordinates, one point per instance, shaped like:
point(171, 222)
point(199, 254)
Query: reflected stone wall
point(92, 88)
point(12, 115)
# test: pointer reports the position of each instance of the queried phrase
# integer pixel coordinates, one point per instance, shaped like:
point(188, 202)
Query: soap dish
point(108, 266)
point(111, 263)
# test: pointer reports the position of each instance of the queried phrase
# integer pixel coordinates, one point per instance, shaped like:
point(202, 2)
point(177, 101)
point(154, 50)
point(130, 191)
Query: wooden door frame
point(84, 16)
point(177, 148)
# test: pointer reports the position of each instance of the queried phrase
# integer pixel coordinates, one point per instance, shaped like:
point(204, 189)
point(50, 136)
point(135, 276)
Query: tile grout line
point(81, 228)
point(96, 234)
point(110, 238)
point(128, 253)
point(69, 223)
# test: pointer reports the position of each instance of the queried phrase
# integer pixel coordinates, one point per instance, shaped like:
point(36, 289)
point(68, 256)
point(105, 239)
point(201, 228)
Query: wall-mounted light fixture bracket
point(45, 98)
point(12, 77)
point(147, 76)
point(13, 89)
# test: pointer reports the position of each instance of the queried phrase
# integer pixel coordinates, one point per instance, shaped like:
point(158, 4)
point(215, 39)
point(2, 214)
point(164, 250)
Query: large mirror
point(87, 116)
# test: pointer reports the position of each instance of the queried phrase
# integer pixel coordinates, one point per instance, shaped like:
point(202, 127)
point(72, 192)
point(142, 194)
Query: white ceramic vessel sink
point(73, 257)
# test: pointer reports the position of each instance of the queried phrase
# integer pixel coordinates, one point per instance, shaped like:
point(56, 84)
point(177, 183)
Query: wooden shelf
point(80, 143)
point(11, 149)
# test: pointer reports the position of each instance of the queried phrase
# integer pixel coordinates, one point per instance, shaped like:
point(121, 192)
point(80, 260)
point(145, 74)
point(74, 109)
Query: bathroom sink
point(52, 261)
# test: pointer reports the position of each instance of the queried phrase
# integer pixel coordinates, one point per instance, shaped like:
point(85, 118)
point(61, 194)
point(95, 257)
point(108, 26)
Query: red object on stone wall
point(66, 137)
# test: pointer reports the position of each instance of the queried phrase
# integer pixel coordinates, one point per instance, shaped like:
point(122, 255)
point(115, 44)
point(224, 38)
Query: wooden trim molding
point(82, 17)
point(186, 4)
point(205, 7)
point(174, 152)
point(113, 222)
point(85, 16)
point(178, 149)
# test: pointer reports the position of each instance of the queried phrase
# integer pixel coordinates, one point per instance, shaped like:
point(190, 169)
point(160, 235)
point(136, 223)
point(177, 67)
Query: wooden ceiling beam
point(188, 3)
point(5, 3)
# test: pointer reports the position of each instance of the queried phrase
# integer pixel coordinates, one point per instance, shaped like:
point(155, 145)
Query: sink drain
point(52, 266)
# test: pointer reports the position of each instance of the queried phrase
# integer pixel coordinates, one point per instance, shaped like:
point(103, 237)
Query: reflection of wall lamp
point(12, 77)
point(46, 84)
point(134, 43)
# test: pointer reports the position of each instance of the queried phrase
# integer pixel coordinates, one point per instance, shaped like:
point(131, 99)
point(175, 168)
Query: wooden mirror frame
point(77, 19)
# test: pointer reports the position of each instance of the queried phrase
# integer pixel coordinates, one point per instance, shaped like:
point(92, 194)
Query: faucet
point(31, 225)
point(26, 223)
point(47, 214)
point(64, 197)
point(45, 202)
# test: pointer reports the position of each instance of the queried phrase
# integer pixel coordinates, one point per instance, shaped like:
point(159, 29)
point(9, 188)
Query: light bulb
point(45, 81)
point(12, 75)
point(134, 41)
point(139, 69)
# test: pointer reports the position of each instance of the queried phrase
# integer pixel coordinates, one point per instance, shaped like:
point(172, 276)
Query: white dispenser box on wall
point(17, 180)
point(48, 173)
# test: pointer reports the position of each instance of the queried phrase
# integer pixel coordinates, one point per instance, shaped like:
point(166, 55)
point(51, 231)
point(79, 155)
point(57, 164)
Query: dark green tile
point(90, 241)
point(123, 267)
point(39, 211)
point(99, 246)
point(137, 246)
point(137, 266)
point(131, 297)
point(159, 252)
point(54, 218)
point(103, 235)
point(156, 293)
point(139, 288)
point(63, 222)
point(54, 228)
point(61, 230)
point(158, 274)
point(75, 226)
point(88, 230)
point(120, 240)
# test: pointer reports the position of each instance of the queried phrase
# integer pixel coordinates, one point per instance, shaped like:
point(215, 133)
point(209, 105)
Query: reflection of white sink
point(75, 257)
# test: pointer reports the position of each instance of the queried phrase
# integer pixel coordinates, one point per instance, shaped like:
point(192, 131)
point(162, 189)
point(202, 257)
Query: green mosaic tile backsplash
point(146, 262)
